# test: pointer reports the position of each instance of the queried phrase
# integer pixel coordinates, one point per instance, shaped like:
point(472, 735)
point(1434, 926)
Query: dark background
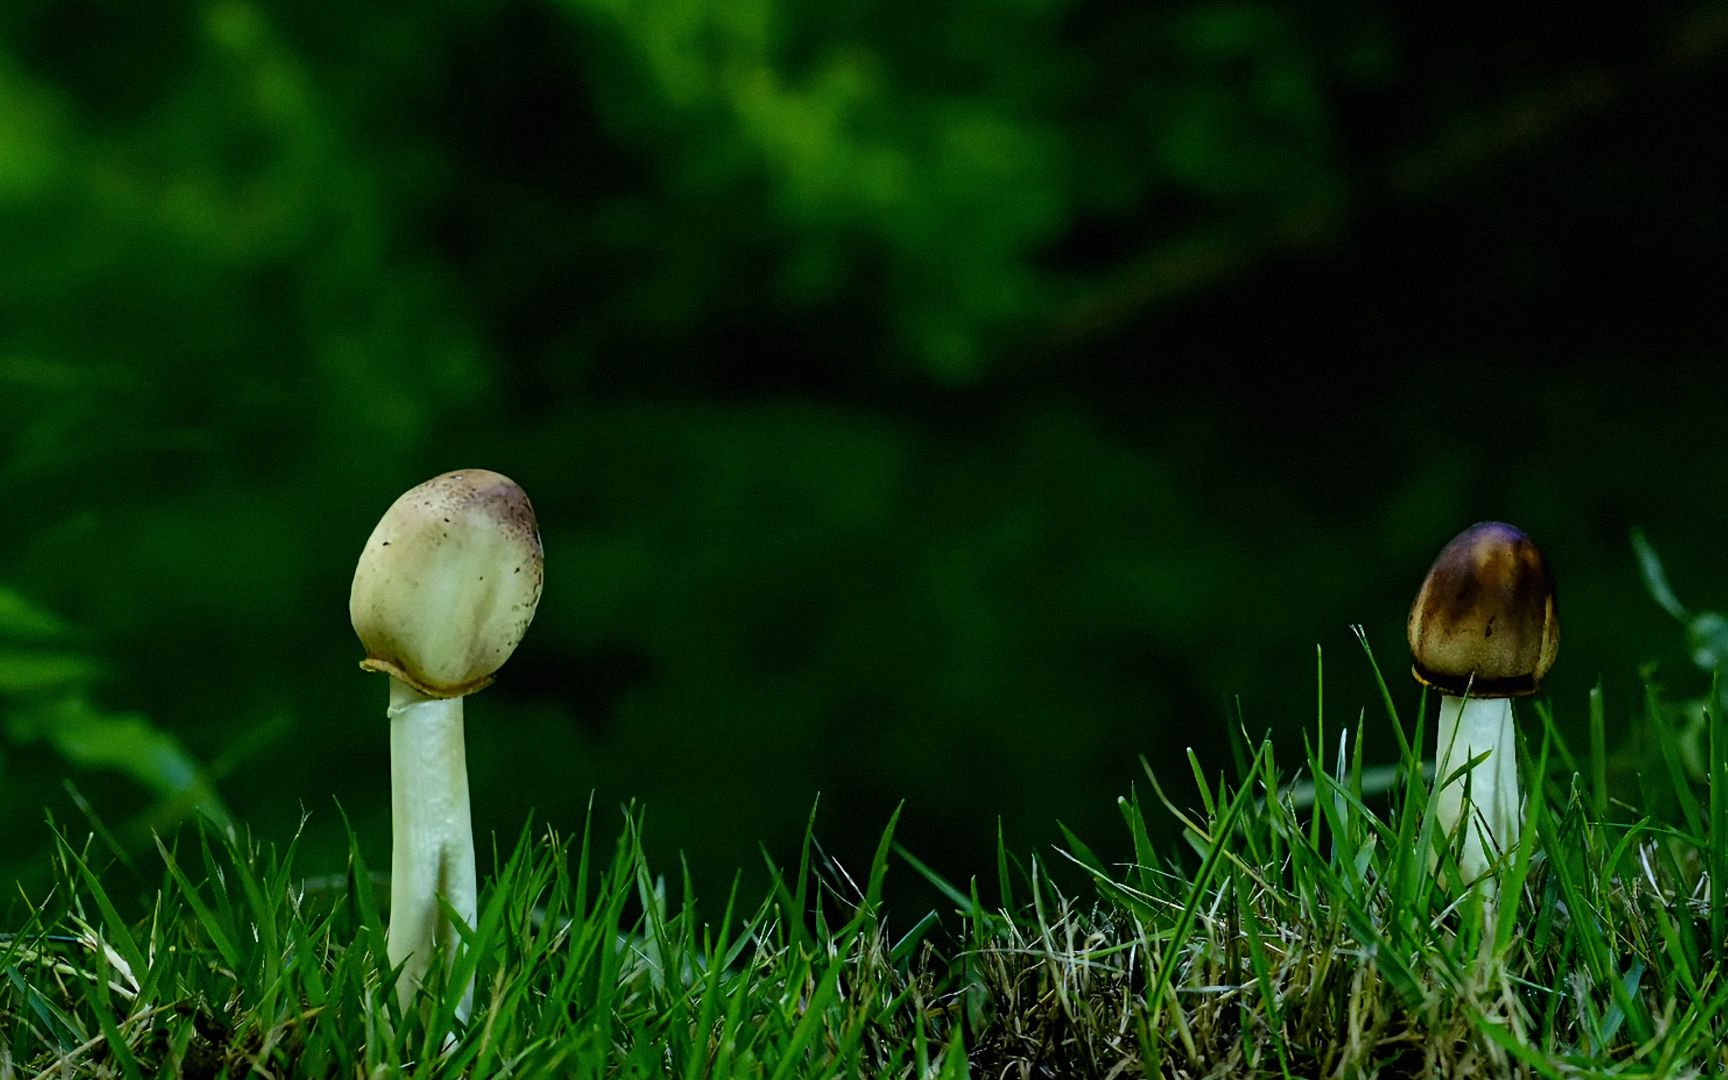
point(946, 403)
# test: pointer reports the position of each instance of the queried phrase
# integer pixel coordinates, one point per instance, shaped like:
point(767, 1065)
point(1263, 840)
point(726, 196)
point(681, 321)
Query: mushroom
point(444, 591)
point(1482, 631)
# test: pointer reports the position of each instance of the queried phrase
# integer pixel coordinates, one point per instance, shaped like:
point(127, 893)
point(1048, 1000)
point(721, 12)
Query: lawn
point(1312, 923)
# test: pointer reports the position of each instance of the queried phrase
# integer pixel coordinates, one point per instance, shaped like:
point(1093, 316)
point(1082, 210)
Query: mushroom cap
point(448, 582)
point(1484, 622)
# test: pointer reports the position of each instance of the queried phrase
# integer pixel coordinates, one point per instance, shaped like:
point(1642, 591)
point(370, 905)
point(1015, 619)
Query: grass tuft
point(1309, 923)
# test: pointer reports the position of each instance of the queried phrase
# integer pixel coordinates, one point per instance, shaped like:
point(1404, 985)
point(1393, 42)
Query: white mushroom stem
point(1470, 727)
point(433, 850)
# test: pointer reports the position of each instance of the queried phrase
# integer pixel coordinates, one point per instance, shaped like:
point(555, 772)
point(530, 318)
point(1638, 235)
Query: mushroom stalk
point(1489, 817)
point(432, 854)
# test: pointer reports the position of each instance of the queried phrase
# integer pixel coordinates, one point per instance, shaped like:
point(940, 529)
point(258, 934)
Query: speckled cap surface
point(448, 582)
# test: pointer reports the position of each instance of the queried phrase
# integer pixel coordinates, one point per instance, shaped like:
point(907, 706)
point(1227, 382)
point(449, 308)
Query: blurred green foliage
point(941, 402)
point(45, 683)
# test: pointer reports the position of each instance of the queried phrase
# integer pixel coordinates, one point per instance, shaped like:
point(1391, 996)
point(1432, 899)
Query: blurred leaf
point(128, 743)
point(28, 139)
point(58, 377)
point(30, 672)
point(41, 691)
point(20, 620)
point(1707, 637)
point(1706, 631)
point(1655, 577)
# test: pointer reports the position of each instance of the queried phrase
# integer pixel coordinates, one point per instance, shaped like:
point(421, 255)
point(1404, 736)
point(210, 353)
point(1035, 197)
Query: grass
point(1312, 924)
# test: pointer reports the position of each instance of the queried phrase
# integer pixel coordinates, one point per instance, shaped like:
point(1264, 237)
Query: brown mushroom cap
point(1484, 622)
point(448, 582)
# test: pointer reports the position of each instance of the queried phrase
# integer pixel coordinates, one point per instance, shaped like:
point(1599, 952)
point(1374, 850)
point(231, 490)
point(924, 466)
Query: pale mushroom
point(444, 591)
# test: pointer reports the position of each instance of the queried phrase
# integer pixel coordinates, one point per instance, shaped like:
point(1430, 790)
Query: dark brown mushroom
point(1484, 622)
point(1482, 631)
